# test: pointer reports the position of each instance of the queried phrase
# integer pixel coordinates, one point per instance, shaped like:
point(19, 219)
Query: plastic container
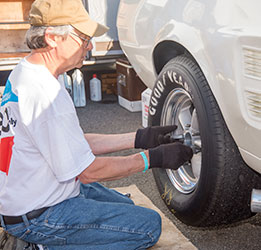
point(78, 89)
point(145, 100)
point(95, 89)
point(66, 81)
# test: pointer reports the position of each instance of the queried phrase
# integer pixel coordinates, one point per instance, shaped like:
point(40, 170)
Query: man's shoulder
point(33, 81)
point(24, 69)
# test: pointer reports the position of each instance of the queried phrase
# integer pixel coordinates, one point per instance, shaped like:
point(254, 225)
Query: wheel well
point(165, 51)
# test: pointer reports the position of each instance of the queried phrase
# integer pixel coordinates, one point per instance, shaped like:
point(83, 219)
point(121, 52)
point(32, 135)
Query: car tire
point(215, 187)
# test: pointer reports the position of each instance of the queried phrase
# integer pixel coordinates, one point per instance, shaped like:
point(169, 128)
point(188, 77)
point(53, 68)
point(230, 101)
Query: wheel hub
point(178, 109)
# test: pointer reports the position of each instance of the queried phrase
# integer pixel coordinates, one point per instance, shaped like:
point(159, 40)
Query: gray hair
point(35, 35)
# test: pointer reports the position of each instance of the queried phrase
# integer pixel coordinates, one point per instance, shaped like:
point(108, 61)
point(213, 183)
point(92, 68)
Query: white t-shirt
point(42, 147)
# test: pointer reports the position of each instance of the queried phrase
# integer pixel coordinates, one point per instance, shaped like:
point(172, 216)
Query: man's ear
point(50, 39)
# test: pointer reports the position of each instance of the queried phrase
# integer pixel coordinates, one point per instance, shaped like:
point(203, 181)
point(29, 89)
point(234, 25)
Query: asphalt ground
point(108, 117)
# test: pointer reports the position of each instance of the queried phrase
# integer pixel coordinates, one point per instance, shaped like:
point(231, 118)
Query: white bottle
point(95, 89)
point(78, 89)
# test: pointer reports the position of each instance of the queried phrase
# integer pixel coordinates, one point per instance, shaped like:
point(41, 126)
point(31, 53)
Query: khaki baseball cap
point(63, 12)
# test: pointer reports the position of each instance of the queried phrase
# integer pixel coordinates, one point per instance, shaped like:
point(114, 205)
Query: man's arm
point(167, 156)
point(103, 144)
point(144, 138)
point(113, 168)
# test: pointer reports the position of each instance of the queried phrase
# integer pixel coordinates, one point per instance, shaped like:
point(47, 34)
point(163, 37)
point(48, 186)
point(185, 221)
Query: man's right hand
point(152, 137)
point(170, 156)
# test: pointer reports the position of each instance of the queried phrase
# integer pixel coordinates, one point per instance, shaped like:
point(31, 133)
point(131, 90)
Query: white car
point(202, 60)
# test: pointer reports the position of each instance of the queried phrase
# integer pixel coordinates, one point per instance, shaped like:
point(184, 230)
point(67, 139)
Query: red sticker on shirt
point(6, 145)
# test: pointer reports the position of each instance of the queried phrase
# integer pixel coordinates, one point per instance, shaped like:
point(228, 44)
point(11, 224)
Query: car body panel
point(224, 38)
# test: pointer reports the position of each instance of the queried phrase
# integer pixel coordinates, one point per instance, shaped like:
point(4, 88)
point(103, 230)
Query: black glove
point(152, 137)
point(170, 156)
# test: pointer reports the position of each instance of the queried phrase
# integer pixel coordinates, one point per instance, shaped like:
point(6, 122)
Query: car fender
point(222, 76)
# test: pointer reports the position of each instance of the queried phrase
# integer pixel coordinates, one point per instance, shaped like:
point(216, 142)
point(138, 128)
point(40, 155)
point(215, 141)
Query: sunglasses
point(85, 41)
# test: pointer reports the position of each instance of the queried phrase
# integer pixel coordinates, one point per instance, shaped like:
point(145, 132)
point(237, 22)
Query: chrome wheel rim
point(178, 109)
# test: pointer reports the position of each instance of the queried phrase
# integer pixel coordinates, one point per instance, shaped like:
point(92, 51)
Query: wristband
point(145, 161)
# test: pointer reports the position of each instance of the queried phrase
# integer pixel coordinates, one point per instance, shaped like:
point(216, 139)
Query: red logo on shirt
point(6, 138)
point(6, 145)
point(7, 123)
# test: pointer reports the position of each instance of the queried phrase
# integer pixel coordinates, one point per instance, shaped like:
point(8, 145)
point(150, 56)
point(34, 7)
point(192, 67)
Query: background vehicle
point(14, 22)
point(202, 58)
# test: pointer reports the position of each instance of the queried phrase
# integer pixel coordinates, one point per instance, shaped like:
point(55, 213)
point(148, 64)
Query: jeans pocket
point(16, 230)
point(41, 238)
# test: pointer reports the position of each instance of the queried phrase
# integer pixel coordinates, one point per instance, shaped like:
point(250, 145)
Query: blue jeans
point(98, 219)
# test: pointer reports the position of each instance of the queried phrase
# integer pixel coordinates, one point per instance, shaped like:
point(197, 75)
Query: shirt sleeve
point(61, 142)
